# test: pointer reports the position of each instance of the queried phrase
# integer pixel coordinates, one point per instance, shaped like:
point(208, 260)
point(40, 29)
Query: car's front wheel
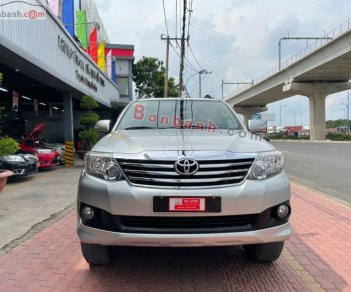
point(96, 254)
point(264, 252)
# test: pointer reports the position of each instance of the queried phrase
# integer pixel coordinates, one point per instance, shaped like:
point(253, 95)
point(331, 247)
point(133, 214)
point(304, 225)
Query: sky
point(235, 40)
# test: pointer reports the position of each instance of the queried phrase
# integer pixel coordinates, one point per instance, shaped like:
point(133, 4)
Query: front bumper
point(122, 199)
point(102, 237)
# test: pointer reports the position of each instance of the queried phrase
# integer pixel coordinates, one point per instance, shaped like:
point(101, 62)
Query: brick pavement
point(317, 258)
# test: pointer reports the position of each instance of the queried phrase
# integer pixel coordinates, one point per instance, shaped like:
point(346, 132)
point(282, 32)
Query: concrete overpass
point(323, 68)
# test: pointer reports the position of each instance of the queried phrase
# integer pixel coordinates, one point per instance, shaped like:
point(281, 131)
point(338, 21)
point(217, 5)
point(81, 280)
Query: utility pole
point(297, 39)
point(348, 106)
point(235, 83)
point(168, 40)
point(166, 73)
point(182, 50)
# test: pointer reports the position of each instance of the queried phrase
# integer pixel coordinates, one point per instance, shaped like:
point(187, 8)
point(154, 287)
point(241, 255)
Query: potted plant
point(89, 135)
point(8, 146)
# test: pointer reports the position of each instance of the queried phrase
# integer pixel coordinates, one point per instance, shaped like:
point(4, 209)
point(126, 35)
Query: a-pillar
point(249, 111)
point(68, 128)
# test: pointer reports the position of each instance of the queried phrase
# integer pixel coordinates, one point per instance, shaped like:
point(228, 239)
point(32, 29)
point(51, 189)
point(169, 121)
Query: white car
point(183, 172)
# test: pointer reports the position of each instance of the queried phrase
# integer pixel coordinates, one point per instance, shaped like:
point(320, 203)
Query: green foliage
point(149, 76)
point(88, 135)
point(89, 119)
point(8, 146)
point(88, 103)
point(338, 137)
point(337, 123)
point(89, 138)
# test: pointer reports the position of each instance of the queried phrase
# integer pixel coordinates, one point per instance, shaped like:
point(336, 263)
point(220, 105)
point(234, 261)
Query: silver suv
point(182, 172)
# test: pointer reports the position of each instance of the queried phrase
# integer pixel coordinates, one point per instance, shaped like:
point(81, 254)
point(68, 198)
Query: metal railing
point(314, 46)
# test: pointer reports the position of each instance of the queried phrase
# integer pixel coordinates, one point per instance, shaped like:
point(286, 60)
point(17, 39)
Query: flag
point(101, 57)
point(36, 107)
point(113, 70)
point(55, 6)
point(15, 101)
point(109, 63)
point(93, 51)
point(68, 16)
point(81, 28)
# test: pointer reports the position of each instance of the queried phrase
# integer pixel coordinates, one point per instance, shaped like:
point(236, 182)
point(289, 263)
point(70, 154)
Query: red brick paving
point(52, 261)
point(322, 239)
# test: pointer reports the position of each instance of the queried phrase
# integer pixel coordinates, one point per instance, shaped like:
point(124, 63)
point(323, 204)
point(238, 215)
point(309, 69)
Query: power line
point(176, 20)
point(164, 13)
point(187, 62)
point(191, 50)
point(182, 50)
point(190, 10)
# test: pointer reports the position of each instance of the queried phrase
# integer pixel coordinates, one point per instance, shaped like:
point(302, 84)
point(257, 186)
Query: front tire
point(96, 254)
point(264, 252)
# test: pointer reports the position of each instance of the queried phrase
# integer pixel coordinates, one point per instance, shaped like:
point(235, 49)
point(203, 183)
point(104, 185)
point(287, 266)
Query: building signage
point(85, 73)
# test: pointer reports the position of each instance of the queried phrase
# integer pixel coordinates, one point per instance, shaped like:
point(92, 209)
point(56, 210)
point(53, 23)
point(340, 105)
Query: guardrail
point(314, 46)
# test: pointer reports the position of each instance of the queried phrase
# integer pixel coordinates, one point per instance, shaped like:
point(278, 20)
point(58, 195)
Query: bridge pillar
point(317, 92)
point(248, 111)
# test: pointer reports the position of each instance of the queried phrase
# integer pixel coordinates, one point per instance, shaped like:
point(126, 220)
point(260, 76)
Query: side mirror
point(103, 126)
point(256, 126)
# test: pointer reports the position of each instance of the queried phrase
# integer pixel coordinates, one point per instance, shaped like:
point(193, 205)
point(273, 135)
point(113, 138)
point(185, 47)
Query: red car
point(46, 157)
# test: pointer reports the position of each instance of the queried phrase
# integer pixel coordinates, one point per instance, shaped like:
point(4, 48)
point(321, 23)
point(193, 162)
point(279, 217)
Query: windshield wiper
point(138, 128)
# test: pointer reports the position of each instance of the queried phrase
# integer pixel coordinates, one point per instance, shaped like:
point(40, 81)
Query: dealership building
point(44, 73)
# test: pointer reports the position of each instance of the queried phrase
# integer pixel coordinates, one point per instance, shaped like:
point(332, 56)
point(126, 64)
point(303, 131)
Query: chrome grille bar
point(161, 173)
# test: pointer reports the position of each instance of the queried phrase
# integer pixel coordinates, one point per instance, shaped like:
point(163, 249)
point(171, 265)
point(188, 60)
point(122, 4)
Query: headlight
point(102, 165)
point(31, 156)
point(44, 151)
point(266, 165)
point(14, 158)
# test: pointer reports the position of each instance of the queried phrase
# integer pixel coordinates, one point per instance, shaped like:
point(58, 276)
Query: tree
point(89, 135)
point(149, 76)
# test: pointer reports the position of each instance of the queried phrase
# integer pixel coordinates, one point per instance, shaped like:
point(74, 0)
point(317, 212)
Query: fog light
point(282, 211)
point(88, 213)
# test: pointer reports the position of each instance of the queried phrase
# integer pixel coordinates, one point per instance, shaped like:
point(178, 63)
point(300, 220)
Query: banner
point(50, 111)
point(109, 63)
point(55, 6)
point(113, 70)
point(68, 16)
point(81, 28)
point(36, 107)
point(15, 101)
point(93, 51)
point(1, 77)
point(101, 57)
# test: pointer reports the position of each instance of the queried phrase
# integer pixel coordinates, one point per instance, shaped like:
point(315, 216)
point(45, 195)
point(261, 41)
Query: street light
point(294, 110)
point(280, 116)
point(203, 71)
point(200, 73)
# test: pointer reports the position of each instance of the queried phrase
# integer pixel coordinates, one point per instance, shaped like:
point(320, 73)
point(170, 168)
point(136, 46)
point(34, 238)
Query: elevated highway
point(323, 68)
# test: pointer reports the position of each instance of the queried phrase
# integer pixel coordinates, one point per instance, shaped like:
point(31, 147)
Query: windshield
point(190, 114)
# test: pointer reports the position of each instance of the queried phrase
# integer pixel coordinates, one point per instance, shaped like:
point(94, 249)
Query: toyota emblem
point(185, 166)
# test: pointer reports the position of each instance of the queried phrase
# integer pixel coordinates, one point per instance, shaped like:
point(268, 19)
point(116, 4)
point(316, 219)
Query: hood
point(35, 134)
point(136, 141)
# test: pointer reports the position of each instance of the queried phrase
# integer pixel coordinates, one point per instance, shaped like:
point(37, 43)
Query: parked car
point(20, 164)
point(183, 172)
point(60, 148)
point(46, 157)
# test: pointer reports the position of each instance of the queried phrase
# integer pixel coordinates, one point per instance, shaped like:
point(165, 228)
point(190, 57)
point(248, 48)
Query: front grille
point(187, 222)
point(161, 173)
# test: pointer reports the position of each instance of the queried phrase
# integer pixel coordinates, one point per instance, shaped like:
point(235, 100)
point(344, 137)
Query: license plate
point(187, 204)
